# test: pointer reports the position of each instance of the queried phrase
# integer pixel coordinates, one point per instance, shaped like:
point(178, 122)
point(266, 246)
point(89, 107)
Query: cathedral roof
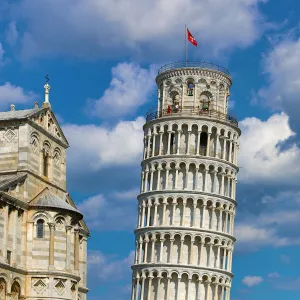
point(18, 114)
point(9, 180)
point(47, 199)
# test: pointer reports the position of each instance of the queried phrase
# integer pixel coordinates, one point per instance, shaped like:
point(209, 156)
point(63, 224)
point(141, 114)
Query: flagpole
point(186, 49)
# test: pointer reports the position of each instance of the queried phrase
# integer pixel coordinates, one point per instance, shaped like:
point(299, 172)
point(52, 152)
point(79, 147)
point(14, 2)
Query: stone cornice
point(192, 118)
point(185, 229)
point(83, 289)
point(193, 71)
point(181, 193)
point(187, 268)
point(6, 198)
point(189, 158)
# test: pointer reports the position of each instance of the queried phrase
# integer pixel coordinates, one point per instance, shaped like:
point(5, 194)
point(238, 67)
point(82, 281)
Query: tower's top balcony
point(193, 89)
point(193, 65)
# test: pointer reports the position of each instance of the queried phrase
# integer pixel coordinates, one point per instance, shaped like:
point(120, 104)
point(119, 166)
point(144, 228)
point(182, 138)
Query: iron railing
point(211, 113)
point(193, 64)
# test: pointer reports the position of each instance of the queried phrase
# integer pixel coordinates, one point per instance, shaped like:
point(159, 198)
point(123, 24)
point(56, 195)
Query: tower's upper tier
point(193, 89)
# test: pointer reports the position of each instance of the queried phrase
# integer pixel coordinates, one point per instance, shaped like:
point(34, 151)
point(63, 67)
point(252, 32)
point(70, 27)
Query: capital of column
point(51, 226)
point(69, 227)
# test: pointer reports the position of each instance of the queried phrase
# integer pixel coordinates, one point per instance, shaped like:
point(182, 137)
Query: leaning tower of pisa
point(186, 206)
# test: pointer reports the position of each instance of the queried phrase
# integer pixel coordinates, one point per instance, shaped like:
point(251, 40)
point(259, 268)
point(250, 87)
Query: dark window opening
point(40, 229)
point(8, 257)
point(45, 164)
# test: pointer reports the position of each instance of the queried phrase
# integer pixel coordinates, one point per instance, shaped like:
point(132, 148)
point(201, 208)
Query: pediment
point(47, 120)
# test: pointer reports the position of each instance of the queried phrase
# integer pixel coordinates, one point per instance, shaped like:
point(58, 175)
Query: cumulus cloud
point(92, 28)
point(111, 268)
point(104, 146)
point(275, 225)
point(129, 89)
point(108, 214)
point(251, 281)
point(261, 158)
point(12, 94)
point(282, 67)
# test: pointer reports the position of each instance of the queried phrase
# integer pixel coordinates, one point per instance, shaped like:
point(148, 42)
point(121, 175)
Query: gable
point(47, 120)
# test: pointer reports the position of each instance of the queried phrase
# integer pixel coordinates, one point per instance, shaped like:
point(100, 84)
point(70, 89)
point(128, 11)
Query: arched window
point(2, 289)
point(190, 87)
point(15, 291)
point(40, 229)
point(204, 101)
point(45, 159)
point(34, 143)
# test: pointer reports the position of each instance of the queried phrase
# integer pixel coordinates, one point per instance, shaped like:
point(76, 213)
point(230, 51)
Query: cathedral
point(43, 237)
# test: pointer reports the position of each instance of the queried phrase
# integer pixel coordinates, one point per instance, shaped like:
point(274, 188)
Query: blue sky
point(102, 57)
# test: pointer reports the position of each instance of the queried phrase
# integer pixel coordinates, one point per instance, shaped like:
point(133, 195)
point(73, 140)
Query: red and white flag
point(191, 38)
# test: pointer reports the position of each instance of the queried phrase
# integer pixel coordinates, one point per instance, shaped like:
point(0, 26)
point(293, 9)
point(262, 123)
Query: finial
point(12, 107)
point(47, 89)
point(36, 104)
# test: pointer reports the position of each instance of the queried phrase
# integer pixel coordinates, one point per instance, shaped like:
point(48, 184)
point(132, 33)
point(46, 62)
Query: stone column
point(142, 181)
point(191, 260)
point(222, 184)
point(224, 258)
point(201, 251)
point(160, 142)
point(15, 227)
point(153, 239)
point(230, 151)
point(226, 222)
point(174, 211)
point(215, 182)
point(177, 168)
point(150, 288)
point(180, 252)
point(148, 146)
point(5, 232)
point(169, 142)
point(168, 287)
point(183, 212)
point(164, 212)
point(146, 250)
point(137, 289)
point(213, 218)
point(199, 290)
point(178, 141)
point(153, 144)
point(203, 216)
point(222, 293)
point(206, 180)
point(217, 145)
point(143, 215)
point(208, 144)
point(151, 178)
point(188, 288)
point(140, 251)
point(197, 178)
point(148, 213)
point(171, 248)
point(194, 214)
point(188, 143)
point(228, 186)
point(220, 220)
point(76, 250)
point(161, 249)
point(143, 288)
point(224, 151)
point(218, 258)
point(146, 180)
point(68, 247)
point(198, 143)
point(51, 245)
point(155, 213)
point(167, 177)
point(158, 178)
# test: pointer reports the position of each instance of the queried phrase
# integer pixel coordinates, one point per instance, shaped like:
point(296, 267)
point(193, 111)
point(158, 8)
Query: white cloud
point(251, 281)
point(126, 195)
point(106, 268)
point(94, 147)
point(274, 275)
point(12, 33)
point(261, 159)
point(91, 28)
point(105, 214)
point(12, 94)
point(282, 67)
point(129, 89)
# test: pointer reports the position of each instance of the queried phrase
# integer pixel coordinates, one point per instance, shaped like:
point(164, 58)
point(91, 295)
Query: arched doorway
point(15, 291)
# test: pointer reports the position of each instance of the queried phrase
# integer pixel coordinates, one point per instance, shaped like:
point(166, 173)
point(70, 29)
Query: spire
point(47, 89)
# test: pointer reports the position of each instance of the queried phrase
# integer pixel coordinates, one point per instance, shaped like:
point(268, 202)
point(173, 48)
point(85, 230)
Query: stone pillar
point(160, 142)
point(153, 239)
point(164, 212)
point(188, 143)
point(150, 288)
point(222, 184)
point(142, 181)
point(153, 144)
point(137, 289)
point(217, 145)
point(226, 222)
point(146, 180)
point(143, 215)
point(191, 260)
point(168, 287)
point(217, 265)
point(197, 178)
point(148, 213)
point(183, 212)
point(230, 151)
point(208, 144)
point(194, 214)
point(198, 143)
point(169, 142)
point(171, 248)
point(148, 146)
point(206, 181)
point(51, 245)
point(68, 247)
point(5, 232)
point(180, 252)
point(224, 151)
point(146, 250)
point(155, 213)
point(140, 251)
point(151, 178)
point(76, 250)
point(178, 141)
point(174, 211)
point(177, 168)
point(143, 288)
point(188, 288)
point(167, 177)
point(203, 216)
point(158, 178)
point(199, 290)
point(201, 251)
point(161, 250)
point(224, 258)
